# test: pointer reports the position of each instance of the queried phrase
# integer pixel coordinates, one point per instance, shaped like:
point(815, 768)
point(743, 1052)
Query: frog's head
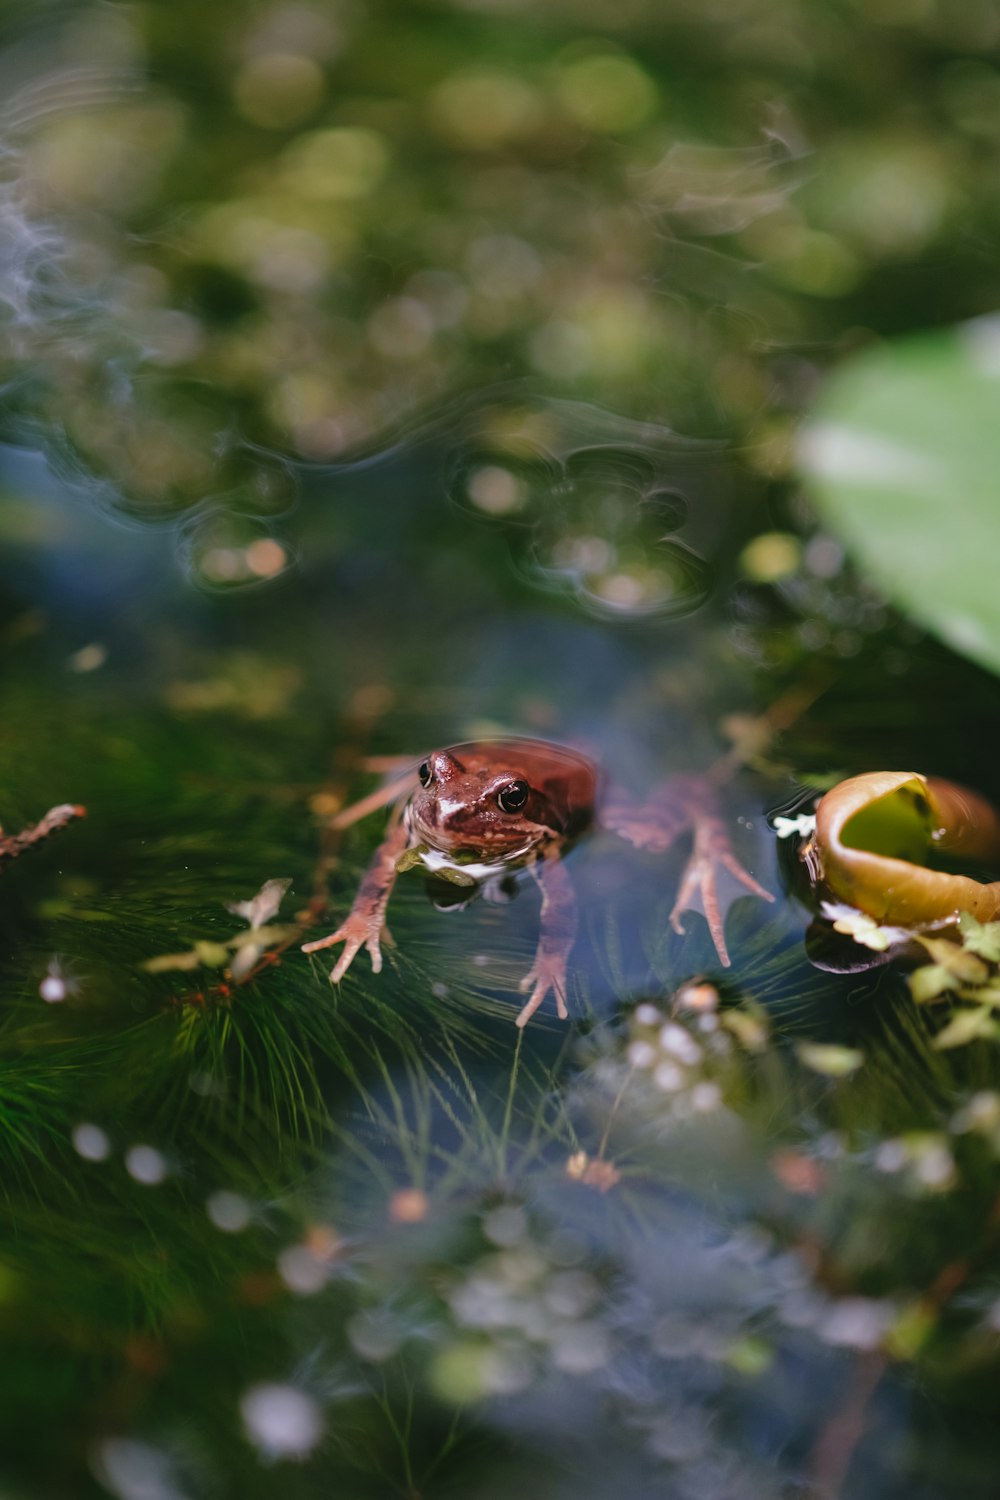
point(489, 810)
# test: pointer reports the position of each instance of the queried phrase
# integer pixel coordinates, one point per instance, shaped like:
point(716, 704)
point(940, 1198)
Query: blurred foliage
point(966, 975)
point(293, 225)
point(904, 438)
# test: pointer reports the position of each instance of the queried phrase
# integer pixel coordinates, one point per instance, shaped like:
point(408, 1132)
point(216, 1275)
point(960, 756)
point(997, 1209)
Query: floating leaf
point(165, 962)
point(262, 907)
point(260, 937)
point(828, 1058)
point(864, 930)
point(931, 982)
point(212, 955)
point(968, 1026)
point(965, 967)
point(245, 959)
point(984, 994)
point(905, 434)
point(980, 937)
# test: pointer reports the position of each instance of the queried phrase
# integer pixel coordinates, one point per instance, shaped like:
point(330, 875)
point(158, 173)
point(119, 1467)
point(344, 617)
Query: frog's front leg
point(365, 924)
point(677, 805)
point(555, 940)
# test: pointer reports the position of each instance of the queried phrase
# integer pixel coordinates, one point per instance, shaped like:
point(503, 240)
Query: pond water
point(379, 378)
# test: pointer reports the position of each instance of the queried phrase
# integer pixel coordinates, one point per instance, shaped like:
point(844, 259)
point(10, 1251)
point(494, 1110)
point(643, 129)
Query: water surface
point(375, 382)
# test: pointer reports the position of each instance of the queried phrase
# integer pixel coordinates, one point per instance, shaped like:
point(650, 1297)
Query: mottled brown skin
point(515, 802)
point(459, 808)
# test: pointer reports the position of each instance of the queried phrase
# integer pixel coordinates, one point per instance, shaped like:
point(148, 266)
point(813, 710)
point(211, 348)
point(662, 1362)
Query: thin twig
point(764, 729)
point(13, 844)
point(834, 1451)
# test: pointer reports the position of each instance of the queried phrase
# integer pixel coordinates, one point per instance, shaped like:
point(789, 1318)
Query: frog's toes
point(729, 861)
point(345, 960)
point(526, 1012)
point(372, 945)
point(544, 977)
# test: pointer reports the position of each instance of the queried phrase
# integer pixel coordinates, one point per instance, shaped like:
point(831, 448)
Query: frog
point(473, 812)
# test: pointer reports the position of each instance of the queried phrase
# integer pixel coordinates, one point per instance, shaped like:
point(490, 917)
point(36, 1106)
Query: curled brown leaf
point(876, 833)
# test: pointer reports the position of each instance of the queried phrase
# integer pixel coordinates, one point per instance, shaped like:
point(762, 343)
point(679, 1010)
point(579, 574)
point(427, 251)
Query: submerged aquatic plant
point(667, 1293)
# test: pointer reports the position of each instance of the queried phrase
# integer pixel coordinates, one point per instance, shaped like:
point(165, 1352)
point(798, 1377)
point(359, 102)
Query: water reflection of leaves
point(599, 523)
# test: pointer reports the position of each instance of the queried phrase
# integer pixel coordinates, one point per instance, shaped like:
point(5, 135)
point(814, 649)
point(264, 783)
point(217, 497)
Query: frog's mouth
point(492, 846)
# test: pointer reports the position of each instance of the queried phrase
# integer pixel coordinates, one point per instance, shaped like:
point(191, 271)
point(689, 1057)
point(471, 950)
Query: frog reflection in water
point(478, 810)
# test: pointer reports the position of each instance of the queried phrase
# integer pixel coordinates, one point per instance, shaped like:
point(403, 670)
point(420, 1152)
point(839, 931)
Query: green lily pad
point(903, 459)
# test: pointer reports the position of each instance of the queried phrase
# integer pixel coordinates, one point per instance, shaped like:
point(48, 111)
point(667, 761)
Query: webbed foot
point(355, 933)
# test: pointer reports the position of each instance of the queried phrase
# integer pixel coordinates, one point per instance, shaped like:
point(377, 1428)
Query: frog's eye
point(513, 796)
point(424, 772)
